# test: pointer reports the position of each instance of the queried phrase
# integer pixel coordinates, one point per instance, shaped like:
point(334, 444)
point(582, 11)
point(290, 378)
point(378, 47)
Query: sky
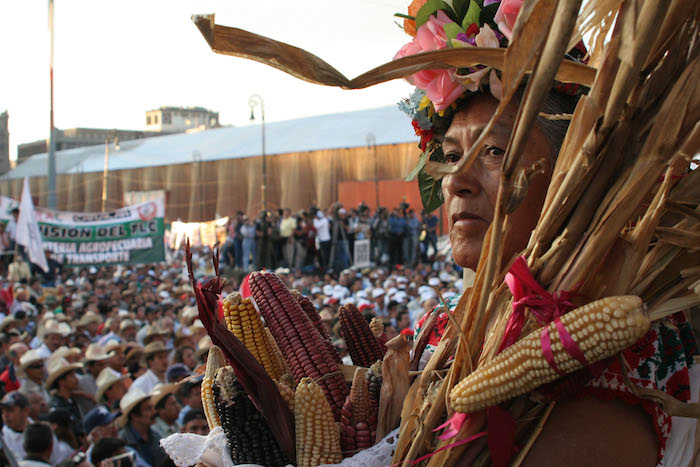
point(115, 60)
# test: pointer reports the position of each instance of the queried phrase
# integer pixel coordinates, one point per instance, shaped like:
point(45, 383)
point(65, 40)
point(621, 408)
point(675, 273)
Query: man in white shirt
point(156, 356)
point(287, 226)
point(323, 234)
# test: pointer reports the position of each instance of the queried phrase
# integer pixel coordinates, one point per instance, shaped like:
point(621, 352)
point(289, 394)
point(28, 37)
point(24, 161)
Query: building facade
point(181, 119)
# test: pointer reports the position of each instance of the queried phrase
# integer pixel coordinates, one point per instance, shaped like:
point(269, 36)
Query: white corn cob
point(215, 360)
point(317, 435)
point(601, 329)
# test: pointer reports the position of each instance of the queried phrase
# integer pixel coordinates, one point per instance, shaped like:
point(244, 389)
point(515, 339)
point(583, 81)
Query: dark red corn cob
point(299, 340)
point(359, 339)
point(358, 422)
point(318, 323)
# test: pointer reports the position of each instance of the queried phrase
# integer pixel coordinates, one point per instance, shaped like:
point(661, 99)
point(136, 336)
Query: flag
point(28, 229)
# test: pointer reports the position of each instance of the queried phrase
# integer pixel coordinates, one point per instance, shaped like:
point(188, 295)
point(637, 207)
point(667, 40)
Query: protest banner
point(130, 235)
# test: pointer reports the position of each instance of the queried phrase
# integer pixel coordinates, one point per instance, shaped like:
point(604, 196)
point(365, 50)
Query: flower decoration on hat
point(441, 24)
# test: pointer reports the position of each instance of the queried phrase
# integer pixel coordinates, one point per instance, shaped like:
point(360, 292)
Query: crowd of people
point(99, 364)
point(325, 239)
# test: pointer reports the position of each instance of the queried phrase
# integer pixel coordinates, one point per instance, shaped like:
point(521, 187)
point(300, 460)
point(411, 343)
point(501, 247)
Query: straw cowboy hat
point(129, 402)
point(154, 331)
point(32, 356)
point(105, 380)
point(52, 326)
point(160, 391)
point(7, 322)
point(96, 353)
point(88, 318)
point(58, 367)
point(153, 348)
point(203, 347)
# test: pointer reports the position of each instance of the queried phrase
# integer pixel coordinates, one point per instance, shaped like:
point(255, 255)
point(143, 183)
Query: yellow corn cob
point(601, 329)
point(317, 436)
point(215, 360)
point(277, 358)
point(287, 394)
point(244, 322)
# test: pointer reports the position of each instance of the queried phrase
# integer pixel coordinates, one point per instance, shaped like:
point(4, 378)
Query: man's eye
point(452, 157)
point(494, 151)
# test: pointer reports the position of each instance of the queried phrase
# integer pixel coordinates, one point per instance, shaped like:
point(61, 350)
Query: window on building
point(155, 119)
point(166, 118)
point(148, 119)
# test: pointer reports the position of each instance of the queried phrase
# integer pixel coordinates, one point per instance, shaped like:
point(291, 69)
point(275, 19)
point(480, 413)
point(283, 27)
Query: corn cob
point(298, 339)
point(359, 340)
point(287, 394)
point(374, 384)
point(601, 329)
point(315, 318)
point(317, 436)
point(277, 357)
point(249, 437)
point(215, 360)
point(244, 322)
point(358, 423)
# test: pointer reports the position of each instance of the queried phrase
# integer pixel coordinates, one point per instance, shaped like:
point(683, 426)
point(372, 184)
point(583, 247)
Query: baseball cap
point(177, 371)
point(14, 399)
point(98, 416)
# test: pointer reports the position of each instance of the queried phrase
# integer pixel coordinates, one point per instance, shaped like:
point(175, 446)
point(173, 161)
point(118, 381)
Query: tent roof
point(341, 130)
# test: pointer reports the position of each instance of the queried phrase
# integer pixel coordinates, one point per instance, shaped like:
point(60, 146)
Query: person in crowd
point(397, 231)
point(156, 358)
point(127, 330)
point(38, 406)
point(33, 374)
point(61, 422)
point(99, 423)
point(178, 371)
point(167, 410)
point(52, 334)
point(403, 320)
point(63, 380)
point(112, 450)
point(137, 417)
point(18, 270)
point(288, 224)
point(250, 257)
point(410, 241)
point(185, 355)
point(38, 444)
point(90, 322)
point(189, 393)
point(9, 379)
point(430, 223)
point(15, 418)
point(195, 422)
point(110, 388)
point(323, 234)
point(94, 362)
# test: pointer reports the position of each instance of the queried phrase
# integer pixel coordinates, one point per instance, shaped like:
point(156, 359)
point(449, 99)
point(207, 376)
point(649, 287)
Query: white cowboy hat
point(105, 380)
point(58, 367)
point(96, 353)
point(129, 402)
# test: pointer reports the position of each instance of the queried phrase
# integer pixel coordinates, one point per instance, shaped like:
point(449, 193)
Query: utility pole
point(254, 101)
point(52, 129)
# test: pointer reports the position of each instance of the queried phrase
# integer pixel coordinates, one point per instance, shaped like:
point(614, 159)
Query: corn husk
point(395, 385)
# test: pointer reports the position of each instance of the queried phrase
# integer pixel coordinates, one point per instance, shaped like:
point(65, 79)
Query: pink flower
point(441, 86)
point(506, 15)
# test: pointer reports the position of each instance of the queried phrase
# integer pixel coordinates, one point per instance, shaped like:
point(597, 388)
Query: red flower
point(425, 135)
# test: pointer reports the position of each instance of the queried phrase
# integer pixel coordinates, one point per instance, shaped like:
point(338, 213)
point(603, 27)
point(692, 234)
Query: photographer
point(397, 231)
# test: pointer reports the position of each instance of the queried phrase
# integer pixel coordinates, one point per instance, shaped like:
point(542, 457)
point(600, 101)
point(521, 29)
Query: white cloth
point(146, 382)
point(681, 441)
point(323, 231)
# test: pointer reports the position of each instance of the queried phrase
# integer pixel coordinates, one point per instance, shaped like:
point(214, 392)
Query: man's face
point(147, 414)
point(92, 328)
point(53, 341)
point(110, 430)
point(116, 391)
point(197, 426)
point(37, 406)
point(159, 362)
point(170, 409)
point(35, 371)
point(70, 381)
point(15, 417)
point(97, 366)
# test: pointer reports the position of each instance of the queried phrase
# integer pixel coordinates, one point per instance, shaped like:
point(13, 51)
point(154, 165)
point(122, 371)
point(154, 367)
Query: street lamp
point(254, 101)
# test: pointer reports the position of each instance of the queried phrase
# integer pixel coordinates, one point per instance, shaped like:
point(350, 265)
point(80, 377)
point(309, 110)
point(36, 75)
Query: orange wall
point(391, 194)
